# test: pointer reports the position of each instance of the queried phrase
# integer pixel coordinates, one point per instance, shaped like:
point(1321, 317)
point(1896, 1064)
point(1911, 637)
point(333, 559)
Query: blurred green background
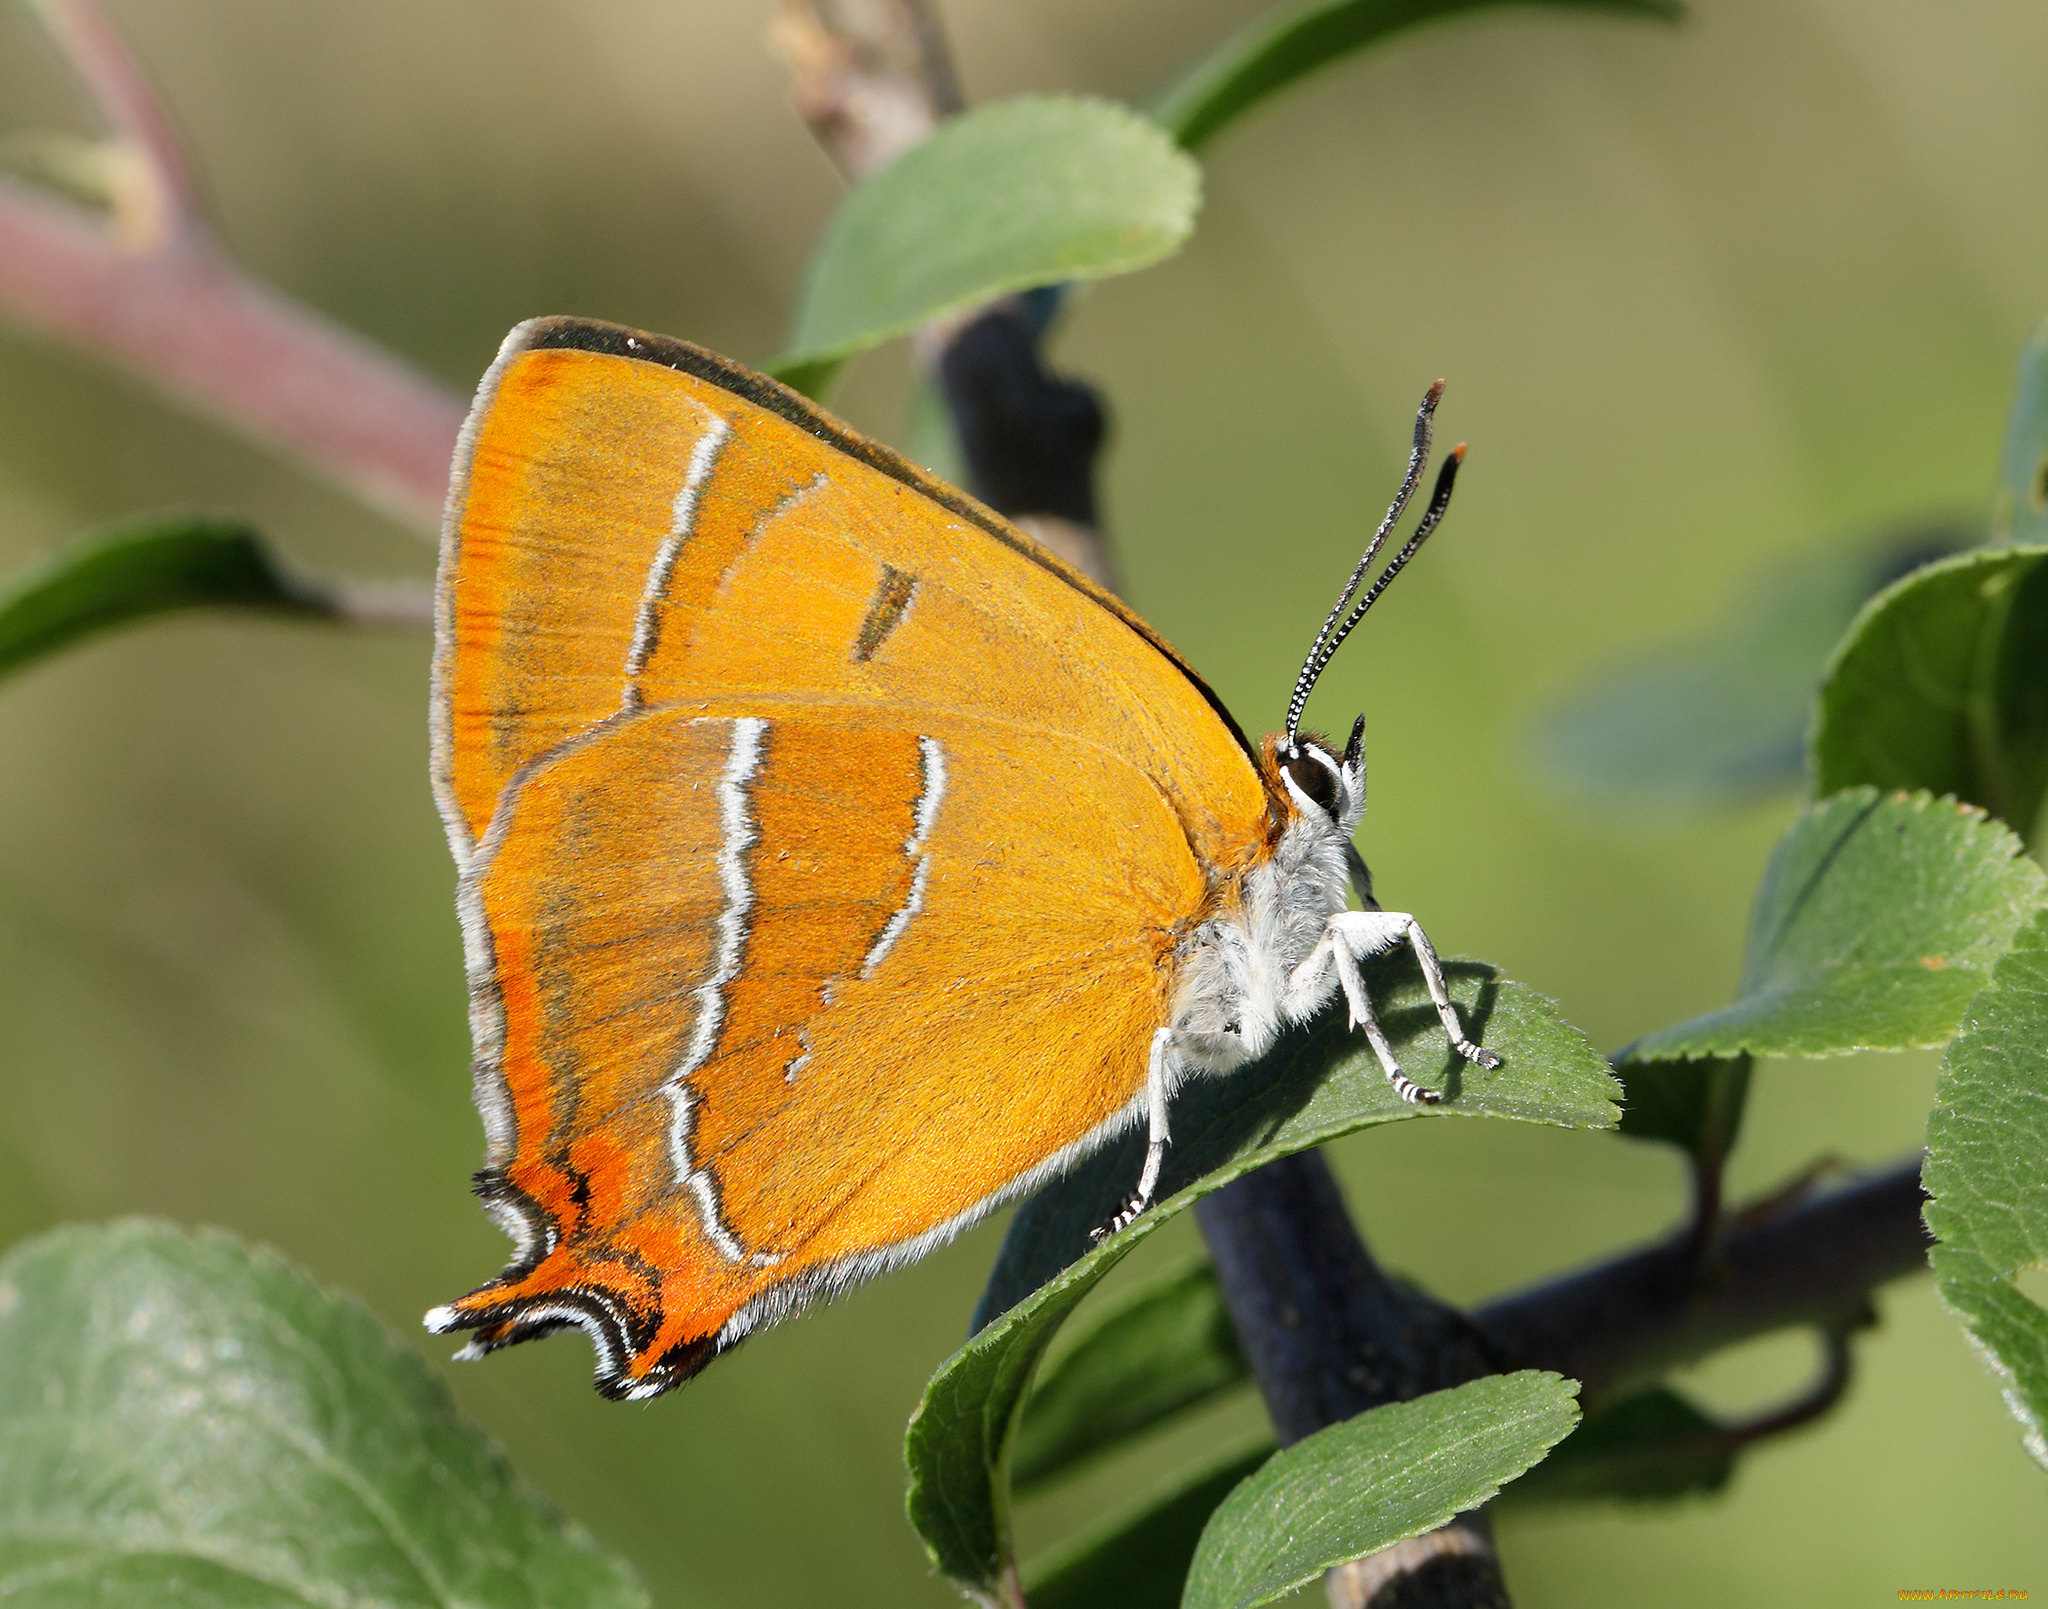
point(1706, 296)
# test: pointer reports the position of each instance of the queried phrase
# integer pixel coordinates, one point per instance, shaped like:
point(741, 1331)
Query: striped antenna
point(1332, 634)
point(1439, 500)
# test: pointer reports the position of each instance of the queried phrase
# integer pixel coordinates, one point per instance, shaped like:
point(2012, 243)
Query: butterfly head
point(1295, 751)
point(1323, 786)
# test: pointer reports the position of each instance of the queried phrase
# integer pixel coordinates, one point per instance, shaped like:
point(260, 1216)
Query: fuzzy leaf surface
point(187, 1421)
point(1391, 1473)
point(1942, 684)
point(1035, 191)
point(1878, 919)
point(1987, 1139)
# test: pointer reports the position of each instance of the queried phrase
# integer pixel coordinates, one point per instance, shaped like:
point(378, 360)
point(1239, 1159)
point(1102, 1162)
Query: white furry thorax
point(1231, 995)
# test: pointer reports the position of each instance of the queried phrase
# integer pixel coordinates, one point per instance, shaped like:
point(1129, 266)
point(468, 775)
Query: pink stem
point(122, 92)
point(183, 318)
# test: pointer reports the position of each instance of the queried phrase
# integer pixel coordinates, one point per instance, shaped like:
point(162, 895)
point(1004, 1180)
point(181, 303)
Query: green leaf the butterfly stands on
point(187, 1421)
point(1942, 683)
point(1139, 1559)
point(1365, 1484)
point(1020, 193)
point(2020, 512)
point(1160, 1350)
point(1878, 918)
point(1320, 1082)
point(1987, 1139)
point(1315, 1085)
point(1290, 42)
point(141, 567)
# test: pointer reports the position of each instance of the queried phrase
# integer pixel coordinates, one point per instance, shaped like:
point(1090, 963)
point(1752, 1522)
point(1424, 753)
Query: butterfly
point(834, 862)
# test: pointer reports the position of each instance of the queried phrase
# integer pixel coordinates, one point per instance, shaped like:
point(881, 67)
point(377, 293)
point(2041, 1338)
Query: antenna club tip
point(1435, 394)
point(1458, 452)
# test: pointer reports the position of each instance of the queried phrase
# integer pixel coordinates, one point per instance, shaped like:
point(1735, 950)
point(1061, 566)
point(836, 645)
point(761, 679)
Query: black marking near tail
point(885, 613)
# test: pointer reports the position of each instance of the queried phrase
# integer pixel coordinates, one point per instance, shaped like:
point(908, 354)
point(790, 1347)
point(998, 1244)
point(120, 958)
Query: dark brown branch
point(1626, 1322)
point(1029, 437)
point(1328, 1335)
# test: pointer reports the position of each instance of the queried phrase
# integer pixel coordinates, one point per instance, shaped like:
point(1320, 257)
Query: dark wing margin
point(615, 340)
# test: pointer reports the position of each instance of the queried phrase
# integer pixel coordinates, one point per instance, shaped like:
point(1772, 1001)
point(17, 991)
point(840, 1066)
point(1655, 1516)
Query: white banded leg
point(1156, 1084)
point(1348, 938)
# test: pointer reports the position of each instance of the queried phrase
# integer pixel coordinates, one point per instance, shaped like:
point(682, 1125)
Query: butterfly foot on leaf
point(1127, 1215)
point(1413, 1093)
point(1488, 1059)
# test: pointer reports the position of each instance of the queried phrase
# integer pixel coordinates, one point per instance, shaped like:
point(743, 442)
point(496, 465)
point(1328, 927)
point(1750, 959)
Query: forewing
point(634, 521)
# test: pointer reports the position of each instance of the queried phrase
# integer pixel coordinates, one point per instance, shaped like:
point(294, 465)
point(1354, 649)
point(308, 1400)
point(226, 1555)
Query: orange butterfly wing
point(824, 842)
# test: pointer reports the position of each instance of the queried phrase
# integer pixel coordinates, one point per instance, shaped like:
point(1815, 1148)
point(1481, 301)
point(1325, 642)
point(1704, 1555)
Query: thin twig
point(152, 293)
point(168, 203)
point(193, 326)
point(870, 77)
point(380, 605)
point(1630, 1320)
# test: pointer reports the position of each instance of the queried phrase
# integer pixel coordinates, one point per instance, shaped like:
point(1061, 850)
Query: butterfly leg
point(1439, 991)
point(1156, 1085)
point(1349, 938)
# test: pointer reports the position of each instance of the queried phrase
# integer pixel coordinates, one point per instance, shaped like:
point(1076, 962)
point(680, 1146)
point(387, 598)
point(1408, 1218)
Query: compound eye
point(1315, 779)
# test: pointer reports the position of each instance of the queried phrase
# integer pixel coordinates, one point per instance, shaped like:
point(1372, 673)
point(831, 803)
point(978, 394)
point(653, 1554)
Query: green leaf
point(187, 1421)
point(2020, 511)
point(1290, 42)
point(1318, 1083)
point(143, 567)
point(1653, 1447)
point(1723, 716)
point(1020, 193)
point(1370, 1482)
point(1986, 1141)
point(1877, 921)
point(2009, 1331)
point(1163, 1347)
point(1139, 1559)
point(1942, 684)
